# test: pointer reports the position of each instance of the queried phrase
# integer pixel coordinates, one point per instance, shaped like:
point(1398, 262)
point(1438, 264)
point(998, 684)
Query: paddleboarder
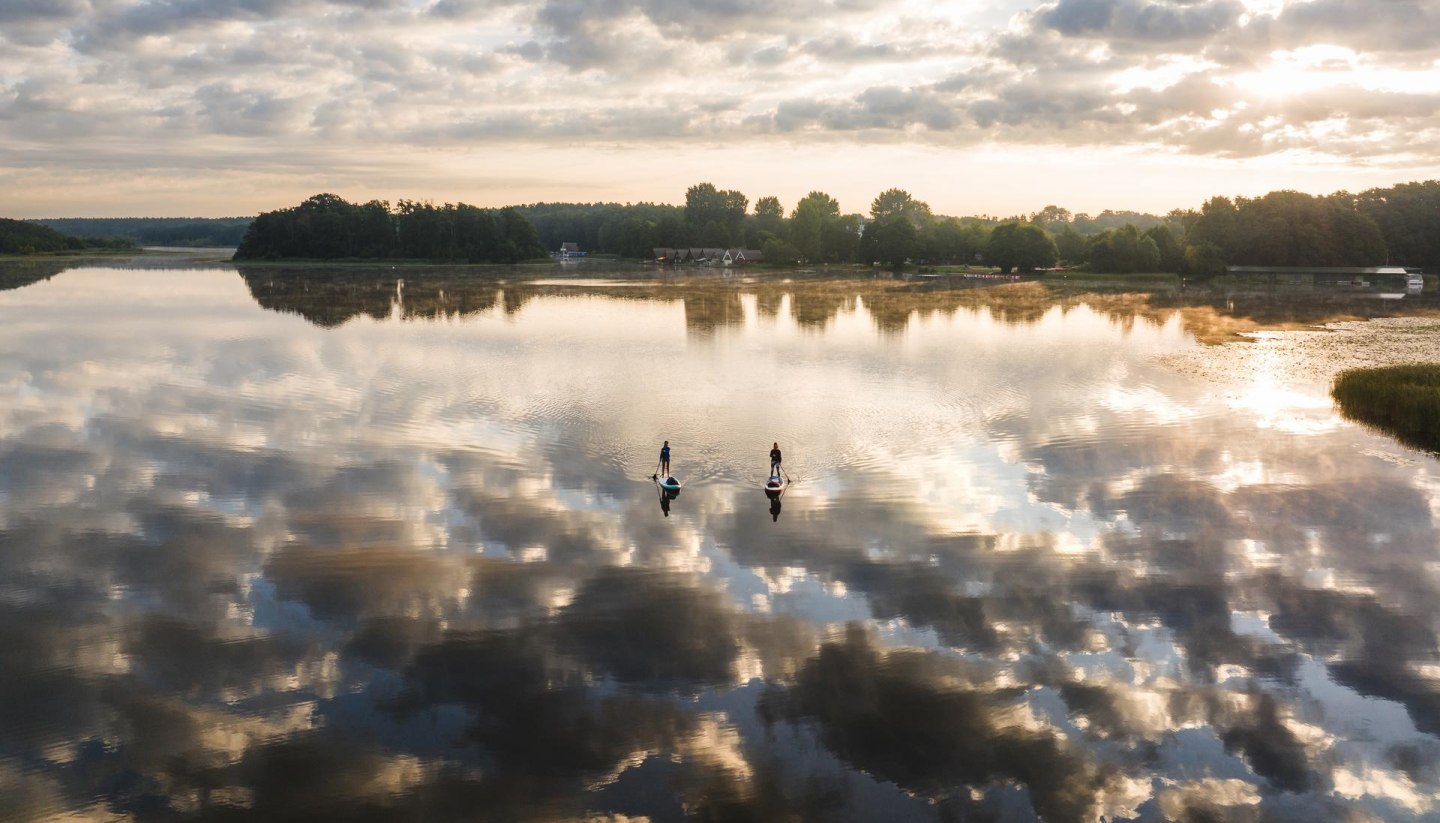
point(665, 459)
point(775, 460)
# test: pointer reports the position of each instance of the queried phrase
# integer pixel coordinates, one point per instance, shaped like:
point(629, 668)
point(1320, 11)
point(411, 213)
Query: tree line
point(157, 231)
point(815, 230)
point(25, 237)
point(327, 227)
point(1399, 225)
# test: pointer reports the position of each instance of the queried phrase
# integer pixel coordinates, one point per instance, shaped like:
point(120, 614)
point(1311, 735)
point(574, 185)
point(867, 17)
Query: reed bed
point(1403, 401)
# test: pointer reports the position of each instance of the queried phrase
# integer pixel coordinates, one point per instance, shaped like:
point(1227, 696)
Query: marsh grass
point(1402, 401)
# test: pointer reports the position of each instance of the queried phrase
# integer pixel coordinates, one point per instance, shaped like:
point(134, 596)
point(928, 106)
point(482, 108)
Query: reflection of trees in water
point(330, 297)
point(20, 273)
point(704, 313)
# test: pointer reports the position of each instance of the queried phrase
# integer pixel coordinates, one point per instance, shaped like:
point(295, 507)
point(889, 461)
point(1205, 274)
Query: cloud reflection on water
point(368, 567)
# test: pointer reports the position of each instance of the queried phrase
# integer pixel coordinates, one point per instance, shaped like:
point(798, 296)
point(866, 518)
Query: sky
point(1000, 107)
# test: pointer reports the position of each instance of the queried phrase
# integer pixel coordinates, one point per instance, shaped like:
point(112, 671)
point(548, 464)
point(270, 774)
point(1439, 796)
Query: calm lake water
point(295, 545)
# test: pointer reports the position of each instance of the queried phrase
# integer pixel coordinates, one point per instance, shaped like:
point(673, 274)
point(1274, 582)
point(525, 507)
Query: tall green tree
point(840, 239)
point(893, 202)
point(812, 214)
point(1172, 254)
point(1071, 245)
point(1204, 260)
point(1408, 216)
point(1052, 219)
point(1123, 251)
point(891, 240)
point(1217, 225)
point(705, 204)
point(768, 221)
point(1023, 246)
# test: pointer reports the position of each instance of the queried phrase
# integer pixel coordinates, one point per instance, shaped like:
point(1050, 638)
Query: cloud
point(156, 85)
point(1394, 25)
point(652, 630)
point(911, 718)
point(1141, 20)
point(254, 557)
point(458, 10)
point(227, 110)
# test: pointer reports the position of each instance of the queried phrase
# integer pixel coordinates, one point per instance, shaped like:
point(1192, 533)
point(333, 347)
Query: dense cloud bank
point(282, 82)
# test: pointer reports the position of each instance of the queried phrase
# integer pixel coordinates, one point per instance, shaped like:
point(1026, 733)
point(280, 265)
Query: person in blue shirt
point(665, 459)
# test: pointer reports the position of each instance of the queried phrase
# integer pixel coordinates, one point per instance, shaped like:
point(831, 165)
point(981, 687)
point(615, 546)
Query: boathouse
point(1327, 275)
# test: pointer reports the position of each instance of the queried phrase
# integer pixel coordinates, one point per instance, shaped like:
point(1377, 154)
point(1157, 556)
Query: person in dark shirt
point(665, 459)
point(775, 460)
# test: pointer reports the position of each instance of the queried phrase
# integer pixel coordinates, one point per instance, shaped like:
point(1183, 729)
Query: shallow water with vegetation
point(1403, 400)
point(356, 544)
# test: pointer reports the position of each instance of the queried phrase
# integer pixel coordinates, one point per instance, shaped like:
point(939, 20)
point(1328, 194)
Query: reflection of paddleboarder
point(775, 508)
point(667, 494)
point(775, 459)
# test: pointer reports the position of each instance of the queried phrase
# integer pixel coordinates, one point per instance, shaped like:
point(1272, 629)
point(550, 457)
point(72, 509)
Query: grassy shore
point(1403, 401)
point(373, 263)
point(70, 254)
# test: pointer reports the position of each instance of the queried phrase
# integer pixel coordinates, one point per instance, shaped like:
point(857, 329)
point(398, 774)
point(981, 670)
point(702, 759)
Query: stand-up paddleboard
point(669, 484)
point(775, 485)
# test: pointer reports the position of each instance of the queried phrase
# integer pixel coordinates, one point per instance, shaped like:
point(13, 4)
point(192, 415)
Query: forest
point(1399, 225)
point(25, 237)
point(327, 227)
point(192, 232)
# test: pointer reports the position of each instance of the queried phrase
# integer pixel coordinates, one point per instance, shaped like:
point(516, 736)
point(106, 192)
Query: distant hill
point(25, 237)
point(193, 232)
point(20, 237)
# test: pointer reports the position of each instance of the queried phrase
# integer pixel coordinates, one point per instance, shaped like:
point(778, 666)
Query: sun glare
point(1292, 73)
point(1279, 82)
